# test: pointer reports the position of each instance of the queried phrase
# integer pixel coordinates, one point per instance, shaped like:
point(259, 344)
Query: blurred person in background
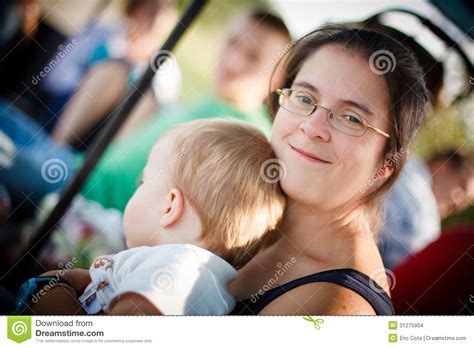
point(254, 42)
point(452, 181)
point(432, 275)
point(109, 69)
point(96, 42)
point(425, 194)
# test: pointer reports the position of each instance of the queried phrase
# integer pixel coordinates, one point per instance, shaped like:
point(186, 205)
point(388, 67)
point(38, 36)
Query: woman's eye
point(352, 118)
point(304, 99)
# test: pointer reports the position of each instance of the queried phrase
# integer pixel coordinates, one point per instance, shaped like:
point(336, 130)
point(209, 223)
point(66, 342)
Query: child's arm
point(132, 304)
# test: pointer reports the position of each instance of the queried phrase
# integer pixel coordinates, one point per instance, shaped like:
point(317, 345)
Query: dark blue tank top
point(346, 277)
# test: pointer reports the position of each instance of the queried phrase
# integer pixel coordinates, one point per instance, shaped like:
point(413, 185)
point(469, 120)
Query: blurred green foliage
point(465, 217)
point(446, 129)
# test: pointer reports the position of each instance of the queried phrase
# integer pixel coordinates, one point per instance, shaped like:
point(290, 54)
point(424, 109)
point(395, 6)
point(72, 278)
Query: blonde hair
point(221, 172)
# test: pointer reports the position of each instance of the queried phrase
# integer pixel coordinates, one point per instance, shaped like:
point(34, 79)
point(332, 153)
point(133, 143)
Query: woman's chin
point(298, 190)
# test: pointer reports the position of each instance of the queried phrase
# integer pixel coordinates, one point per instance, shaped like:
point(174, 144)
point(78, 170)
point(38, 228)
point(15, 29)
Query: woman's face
point(334, 78)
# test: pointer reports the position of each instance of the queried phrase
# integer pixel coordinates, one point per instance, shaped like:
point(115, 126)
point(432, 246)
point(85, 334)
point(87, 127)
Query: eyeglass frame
point(279, 91)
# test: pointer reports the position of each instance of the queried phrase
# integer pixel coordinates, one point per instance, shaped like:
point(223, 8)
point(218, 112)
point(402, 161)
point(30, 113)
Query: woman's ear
point(384, 172)
point(386, 169)
point(388, 166)
point(173, 209)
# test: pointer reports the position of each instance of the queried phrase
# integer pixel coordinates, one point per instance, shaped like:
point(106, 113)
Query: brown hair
point(221, 171)
point(405, 81)
point(151, 6)
point(271, 20)
point(455, 159)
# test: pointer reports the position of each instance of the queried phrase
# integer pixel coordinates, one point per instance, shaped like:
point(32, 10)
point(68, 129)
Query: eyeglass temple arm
point(386, 135)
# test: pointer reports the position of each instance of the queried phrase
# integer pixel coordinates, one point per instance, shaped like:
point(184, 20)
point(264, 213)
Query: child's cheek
point(131, 221)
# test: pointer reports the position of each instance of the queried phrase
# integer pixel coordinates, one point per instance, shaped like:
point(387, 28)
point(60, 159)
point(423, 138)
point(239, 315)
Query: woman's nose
point(316, 125)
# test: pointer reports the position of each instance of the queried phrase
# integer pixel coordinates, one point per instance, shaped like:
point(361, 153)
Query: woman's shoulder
point(337, 291)
point(319, 297)
point(324, 289)
point(340, 286)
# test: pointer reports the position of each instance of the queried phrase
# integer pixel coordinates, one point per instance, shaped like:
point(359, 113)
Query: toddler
point(203, 208)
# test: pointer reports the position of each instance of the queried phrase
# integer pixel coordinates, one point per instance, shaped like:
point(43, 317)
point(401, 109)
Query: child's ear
point(173, 209)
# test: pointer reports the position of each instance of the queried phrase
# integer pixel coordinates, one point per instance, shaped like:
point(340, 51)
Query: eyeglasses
point(348, 122)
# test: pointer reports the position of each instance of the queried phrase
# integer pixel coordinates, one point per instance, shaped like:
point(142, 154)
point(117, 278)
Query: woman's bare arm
point(62, 299)
point(103, 89)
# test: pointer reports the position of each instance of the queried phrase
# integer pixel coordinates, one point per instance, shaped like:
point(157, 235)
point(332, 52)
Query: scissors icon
point(316, 322)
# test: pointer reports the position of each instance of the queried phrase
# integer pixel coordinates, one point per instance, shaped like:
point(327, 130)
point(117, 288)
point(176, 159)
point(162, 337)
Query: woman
point(337, 119)
point(341, 113)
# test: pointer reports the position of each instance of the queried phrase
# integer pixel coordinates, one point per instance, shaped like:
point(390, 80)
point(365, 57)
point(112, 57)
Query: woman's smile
point(308, 156)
